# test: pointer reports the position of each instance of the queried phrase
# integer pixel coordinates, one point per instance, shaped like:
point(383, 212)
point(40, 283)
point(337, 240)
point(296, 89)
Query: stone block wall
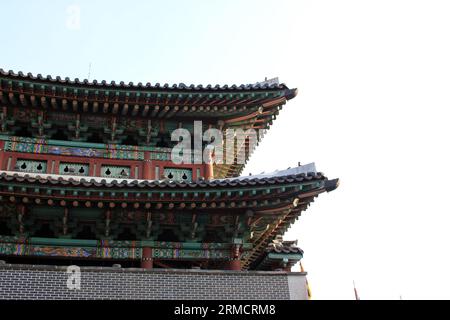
point(51, 282)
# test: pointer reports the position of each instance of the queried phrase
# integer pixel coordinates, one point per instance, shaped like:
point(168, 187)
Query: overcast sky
point(372, 109)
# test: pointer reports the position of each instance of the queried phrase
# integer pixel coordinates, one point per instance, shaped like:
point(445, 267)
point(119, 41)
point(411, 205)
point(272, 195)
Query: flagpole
point(308, 289)
point(356, 292)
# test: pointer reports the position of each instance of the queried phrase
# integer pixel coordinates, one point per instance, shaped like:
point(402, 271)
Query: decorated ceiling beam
point(105, 249)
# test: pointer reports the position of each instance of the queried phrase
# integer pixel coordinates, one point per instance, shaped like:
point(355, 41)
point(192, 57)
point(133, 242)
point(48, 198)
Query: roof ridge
point(148, 85)
point(86, 180)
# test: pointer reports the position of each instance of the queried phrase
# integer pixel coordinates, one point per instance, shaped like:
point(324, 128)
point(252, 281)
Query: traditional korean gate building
point(86, 178)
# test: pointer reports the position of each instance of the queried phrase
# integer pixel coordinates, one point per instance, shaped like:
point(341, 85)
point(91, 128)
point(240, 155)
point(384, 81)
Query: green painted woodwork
point(177, 174)
point(283, 256)
point(190, 254)
point(62, 242)
point(72, 252)
point(38, 146)
point(46, 212)
point(109, 252)
point(277, 260)
point(161, 156)
point(105, 249)
point(74, 169)
point(115, 172)
point(33, 166)
point(71, 148)
point(138, 226)
point(54, 211)
point(120, 244)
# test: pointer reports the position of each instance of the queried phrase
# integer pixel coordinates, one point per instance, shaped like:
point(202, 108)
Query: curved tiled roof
point(98, 182)
point(149, 86)
point(279, 246)
point(246, 106)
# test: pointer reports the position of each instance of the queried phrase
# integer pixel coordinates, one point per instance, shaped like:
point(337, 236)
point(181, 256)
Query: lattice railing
point(178, 174)
point(115, 172)
point(31, 166)
point(76, 169)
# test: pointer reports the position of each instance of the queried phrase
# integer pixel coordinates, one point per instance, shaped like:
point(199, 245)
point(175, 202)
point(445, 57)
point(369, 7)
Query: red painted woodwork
point(209, 169)
point(234, 265)
point(146, 168)
point(147, 171)
point(209, 174)
point(147, 260)
point(170, 164)
point(2, 144)
point(60, 158)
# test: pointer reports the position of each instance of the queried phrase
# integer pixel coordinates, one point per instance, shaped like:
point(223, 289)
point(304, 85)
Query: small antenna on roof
point(89, 72)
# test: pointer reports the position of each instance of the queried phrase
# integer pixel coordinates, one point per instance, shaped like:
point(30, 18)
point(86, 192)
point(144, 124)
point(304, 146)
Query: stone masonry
point(50, 282)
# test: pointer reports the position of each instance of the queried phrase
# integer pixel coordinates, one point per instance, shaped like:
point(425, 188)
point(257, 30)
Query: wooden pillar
point(2, 145)
point(147, 260)
point(65, 221)
point(235, 262)
point(12, 165)
point(21, 211)
point(209, 170)
point(49, 166)
point(147, 172)
point(209, 175)
point(108, 215)
point(286, 265)
point(91, 168)
point(98, 168)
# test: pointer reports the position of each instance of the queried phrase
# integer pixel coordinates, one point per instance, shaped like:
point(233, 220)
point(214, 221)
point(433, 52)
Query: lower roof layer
point(268, 203)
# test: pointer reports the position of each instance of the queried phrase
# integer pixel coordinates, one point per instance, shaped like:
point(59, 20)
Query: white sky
point(372, 109)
